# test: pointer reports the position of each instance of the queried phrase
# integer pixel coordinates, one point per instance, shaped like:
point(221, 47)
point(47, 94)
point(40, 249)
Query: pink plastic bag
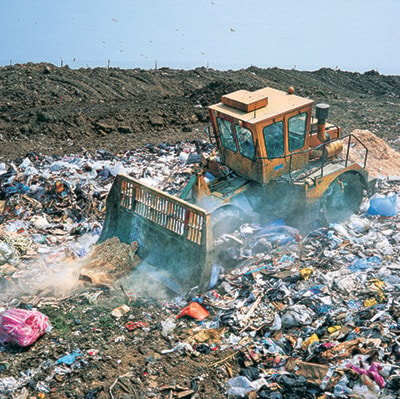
point(22, 327)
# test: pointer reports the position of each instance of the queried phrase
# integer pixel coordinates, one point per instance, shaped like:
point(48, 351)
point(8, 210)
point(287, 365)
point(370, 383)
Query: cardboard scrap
point(313, 372)
point(209, 336)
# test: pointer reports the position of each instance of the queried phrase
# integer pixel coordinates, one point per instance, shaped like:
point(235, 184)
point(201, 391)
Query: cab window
point(245, 141)
point(273, 136)
point(297, 131)
point(227, 135)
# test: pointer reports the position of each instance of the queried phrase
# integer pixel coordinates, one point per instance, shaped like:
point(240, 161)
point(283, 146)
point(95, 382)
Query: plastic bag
point(383, 206)
point(384, 247)
point(278, 234)
point(8, 384)
point(167, 327)
point(215, 272)
point(359, 225)
point(239, 386)
point(363, 264)
point(297, 315)
point(194, 310)
point(7, 253)
point(22, 327)
point(70, 358)
point(341, 389)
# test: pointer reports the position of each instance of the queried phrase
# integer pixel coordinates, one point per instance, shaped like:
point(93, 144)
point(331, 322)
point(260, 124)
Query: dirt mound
point(109, 261)
point(51, 110)
point(381, 159)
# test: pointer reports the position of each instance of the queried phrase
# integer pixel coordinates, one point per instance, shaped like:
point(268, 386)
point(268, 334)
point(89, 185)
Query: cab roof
point(259, 105)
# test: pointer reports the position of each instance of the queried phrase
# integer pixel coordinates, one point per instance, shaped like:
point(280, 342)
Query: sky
point(351, 35)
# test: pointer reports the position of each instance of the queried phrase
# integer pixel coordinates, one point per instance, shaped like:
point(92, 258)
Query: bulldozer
point(273, 160)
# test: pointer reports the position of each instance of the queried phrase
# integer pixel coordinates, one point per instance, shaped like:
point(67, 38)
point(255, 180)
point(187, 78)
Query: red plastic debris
point(195, 310)
point(133, 325)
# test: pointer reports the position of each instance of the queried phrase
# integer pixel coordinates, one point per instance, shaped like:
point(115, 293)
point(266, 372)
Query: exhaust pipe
point(321, 113)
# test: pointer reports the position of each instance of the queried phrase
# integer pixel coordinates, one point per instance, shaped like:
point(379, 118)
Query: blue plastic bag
point(69, 359)
point(385, 206)
point(363, 264)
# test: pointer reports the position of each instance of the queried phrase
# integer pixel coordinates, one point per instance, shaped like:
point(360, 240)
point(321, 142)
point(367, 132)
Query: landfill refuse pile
point(288, 314)
point(52, 208)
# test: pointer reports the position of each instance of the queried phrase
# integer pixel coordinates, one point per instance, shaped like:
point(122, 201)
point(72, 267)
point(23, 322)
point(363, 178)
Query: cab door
point(274, 135)
point(298, 129)
point(286, 142)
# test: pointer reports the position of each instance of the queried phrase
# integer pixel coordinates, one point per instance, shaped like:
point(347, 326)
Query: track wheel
point(342, 198)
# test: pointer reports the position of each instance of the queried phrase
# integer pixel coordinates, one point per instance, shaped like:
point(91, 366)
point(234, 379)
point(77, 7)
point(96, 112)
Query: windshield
point(297, 131)
point(226, 134)
point(245, 141)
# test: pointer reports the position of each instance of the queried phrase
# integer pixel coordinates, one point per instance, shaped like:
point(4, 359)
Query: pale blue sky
point(353, 35)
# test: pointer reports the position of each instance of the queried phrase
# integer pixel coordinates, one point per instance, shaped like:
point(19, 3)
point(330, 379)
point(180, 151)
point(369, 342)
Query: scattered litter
point(120, 311)
point(70, 358)
point(287, 314)
point(133, 325)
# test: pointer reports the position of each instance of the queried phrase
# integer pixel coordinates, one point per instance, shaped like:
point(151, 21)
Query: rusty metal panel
point(174, 236)
point(279, 103)
point(317, 190)
point(164, 210)
point(245, 100)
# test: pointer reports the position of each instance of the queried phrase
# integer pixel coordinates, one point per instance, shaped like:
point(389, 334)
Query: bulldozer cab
point(258, 132)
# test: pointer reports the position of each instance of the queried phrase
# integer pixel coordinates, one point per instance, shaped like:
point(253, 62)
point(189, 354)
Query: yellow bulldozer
point(273, 160)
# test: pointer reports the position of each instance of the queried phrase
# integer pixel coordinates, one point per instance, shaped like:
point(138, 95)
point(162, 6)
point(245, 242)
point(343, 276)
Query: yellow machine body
point(274, 159)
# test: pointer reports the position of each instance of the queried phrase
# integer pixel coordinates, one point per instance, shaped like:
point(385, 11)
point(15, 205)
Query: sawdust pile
point(382, 159)
point(110, 261)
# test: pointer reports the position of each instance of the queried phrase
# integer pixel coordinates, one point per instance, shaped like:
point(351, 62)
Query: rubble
point(109, 261)
point(288, 313)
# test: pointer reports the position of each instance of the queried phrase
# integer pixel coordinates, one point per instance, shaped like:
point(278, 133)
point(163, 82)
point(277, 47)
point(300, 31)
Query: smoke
point(146, 281)
point(57, 279)
point(63, 279)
